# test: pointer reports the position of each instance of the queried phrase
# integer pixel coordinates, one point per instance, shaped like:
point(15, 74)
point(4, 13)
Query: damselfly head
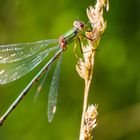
point(79, 25)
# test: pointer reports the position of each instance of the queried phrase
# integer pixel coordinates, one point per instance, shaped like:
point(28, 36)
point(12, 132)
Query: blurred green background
point(116, 83)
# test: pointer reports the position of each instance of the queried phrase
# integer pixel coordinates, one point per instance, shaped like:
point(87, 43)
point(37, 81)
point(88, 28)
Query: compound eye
point(82, 25)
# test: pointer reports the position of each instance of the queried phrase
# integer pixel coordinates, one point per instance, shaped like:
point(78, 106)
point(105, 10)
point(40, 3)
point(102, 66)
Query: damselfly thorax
point(70, 36)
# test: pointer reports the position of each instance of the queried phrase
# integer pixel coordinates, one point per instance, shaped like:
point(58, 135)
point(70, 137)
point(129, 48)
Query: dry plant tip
point(90, 121)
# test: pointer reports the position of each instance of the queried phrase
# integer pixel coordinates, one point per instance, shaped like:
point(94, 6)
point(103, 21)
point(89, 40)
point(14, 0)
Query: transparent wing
point(41, 84)
point(16, 52)
point(12, 71)
point(53, 92)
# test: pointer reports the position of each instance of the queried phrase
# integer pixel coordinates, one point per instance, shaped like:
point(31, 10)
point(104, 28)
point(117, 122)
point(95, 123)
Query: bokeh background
point(116, 83)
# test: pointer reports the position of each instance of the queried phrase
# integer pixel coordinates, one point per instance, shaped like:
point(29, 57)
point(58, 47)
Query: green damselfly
point(17, 60)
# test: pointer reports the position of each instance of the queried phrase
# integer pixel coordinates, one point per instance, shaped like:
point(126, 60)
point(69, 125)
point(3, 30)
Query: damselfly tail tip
point(0, 122)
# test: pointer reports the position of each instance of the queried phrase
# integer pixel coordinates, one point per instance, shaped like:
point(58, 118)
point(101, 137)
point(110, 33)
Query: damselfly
point(17, 60)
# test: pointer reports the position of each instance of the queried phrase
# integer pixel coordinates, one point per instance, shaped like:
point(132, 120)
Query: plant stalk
point(86, 94)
